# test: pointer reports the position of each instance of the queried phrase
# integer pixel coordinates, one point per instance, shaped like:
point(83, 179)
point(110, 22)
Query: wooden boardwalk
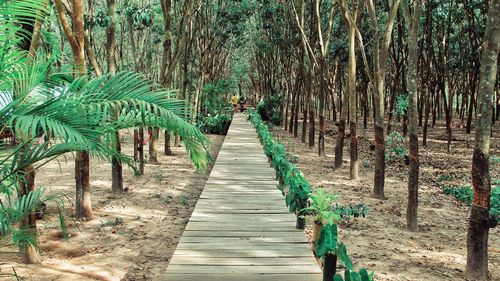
point(240, 229)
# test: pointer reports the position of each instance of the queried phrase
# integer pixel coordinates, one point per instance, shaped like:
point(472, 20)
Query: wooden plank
point(242, 217)
point(220, 240)
point(182, 260)
point(241, 269)
point(243, 245)
point(195, 233)
point(227, 210)
point(209, 226)
point(245, 253)
point(241, 277)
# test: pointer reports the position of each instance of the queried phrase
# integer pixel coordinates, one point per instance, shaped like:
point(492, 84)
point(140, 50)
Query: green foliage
point(269, 109)
point(292, 182)
point(395, 147)
point(327, 240)
point(494, 159)
point(218, 124)
point(216, 114)
point(213, 97)
point(466, 194)
point(321, 207)
point(463, 193)
point(401, 105)
point(141, 17)
point(351, 211)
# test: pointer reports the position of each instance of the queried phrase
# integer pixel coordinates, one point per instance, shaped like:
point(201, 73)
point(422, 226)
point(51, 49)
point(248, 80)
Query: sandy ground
point(132, 236)
point(380, 242)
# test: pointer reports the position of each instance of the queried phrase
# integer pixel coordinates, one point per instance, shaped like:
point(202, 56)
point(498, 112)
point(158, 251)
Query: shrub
point(215, 124)
point(395, 147)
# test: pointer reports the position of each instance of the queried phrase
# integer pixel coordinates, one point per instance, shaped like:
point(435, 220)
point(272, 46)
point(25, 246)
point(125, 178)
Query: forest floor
point(380, 242)
point(132, 236)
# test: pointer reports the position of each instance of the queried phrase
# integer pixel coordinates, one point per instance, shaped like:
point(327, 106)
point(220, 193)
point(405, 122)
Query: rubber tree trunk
point(166, 149)
point(116, 167)
point(153, 146)
point(411, 213)
point(75, 34)
point(477, 236)
point(83, 206)
point(136, 145)
point(140, 149)
point(339, 145)
point(322, 101)
point(354, 167)
point(116, 164)
point(380, 52)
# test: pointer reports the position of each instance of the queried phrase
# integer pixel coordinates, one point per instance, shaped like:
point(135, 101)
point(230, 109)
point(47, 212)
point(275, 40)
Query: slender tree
point(380, 53)
point(480, 222)
point(75, 35)
point(413, 174)
point(350, 20)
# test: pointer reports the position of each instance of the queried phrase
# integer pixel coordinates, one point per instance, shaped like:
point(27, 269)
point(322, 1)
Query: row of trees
point(51, 105)
point(432, 59)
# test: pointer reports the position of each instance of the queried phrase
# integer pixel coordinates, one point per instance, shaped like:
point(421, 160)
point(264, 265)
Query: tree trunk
point(153, 146)
point(116, 164)
point(140, 148)
point(339, 145)
point(136, 145)
point(29, 253)
point(83, 204)
point(76, 37)
point(322, 102)
point(411, 213)
point(167, 149)
point(354, 167)
point(426, 118)
point(477, 236)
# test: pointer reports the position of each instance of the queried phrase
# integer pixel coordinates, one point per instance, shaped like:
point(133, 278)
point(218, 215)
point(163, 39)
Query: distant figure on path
point(234, 101)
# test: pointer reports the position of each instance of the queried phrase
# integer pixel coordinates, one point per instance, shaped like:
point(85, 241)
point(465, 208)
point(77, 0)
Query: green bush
point(465, 194)
point(395, 147)
point(270, 109)
point(215, 124)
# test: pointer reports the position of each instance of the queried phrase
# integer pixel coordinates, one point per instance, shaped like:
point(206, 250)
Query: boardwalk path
point(240, 229)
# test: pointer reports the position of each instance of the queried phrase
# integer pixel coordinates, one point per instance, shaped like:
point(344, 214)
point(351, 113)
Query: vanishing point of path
point(240, 229)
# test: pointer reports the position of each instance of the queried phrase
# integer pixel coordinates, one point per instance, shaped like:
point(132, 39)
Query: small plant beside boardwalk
point(319, 206)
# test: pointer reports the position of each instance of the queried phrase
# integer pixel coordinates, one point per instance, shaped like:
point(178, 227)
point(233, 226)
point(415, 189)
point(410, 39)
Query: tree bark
point(83, 204)
point(380, 52)
point(116, 164)
point(140, 149)
point(339, 145)
point(76, 37)
point(413, 174)
point(29, 253)
point(153, 146)
point(477, 236)
point(167, 149)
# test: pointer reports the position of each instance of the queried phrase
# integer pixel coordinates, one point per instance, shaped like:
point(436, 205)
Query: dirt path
point(132, 236)
point(380, 241)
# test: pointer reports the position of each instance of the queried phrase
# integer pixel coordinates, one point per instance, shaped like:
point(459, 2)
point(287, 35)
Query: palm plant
point(52, 114)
